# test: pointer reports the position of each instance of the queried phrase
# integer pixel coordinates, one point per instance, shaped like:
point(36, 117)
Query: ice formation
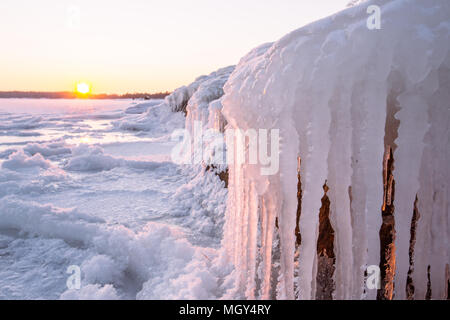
point(342, 95)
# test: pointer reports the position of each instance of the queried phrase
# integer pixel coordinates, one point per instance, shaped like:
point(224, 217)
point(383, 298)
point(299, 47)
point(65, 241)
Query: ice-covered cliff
point(366, 112)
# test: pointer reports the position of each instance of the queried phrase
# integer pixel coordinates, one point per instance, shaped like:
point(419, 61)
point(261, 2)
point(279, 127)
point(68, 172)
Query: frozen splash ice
point(326, 86)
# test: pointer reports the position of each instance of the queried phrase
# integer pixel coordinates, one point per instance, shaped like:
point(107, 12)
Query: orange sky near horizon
point(137, 45)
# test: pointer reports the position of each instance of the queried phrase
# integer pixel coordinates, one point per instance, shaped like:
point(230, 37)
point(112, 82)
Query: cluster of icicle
point(337, 90)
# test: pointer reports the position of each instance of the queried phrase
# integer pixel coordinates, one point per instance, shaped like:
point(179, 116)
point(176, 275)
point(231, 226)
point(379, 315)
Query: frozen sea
point(76, 189)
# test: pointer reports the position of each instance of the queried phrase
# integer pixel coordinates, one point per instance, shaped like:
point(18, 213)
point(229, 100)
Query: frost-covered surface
point(327, 87)
point(76, 189)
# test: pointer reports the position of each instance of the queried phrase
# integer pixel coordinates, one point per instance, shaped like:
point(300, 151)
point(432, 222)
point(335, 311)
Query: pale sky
point(136, 45)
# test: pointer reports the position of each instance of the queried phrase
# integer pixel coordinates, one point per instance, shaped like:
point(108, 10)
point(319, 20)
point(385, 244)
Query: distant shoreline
point(73, 95)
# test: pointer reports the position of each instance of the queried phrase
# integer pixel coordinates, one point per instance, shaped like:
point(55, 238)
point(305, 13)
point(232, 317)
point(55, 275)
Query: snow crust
point(153, 263)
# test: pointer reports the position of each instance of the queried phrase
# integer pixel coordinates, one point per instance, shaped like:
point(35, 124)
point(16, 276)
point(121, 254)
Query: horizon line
point(20, 94)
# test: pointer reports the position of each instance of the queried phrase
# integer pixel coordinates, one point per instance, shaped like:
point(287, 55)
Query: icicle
point(408, 156)
point(288, 180)
point(339, 180)
point(440, 116)
point(315, 174)
point(244, 223)
point(357, 205)
point(252, 243)
point(269, 226)
point(425, 200)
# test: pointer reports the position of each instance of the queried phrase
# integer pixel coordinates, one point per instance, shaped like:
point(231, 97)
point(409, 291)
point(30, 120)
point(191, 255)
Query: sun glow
point(85, 140)
point(83, 88)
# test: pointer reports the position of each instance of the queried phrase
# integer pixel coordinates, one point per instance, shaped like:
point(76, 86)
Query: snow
point(208, 92)
point(91, 159)
point(325, 86)
point(142, 107)
point(19, 160)
point(353, 3)
point(179, 99)
point(91, 292)
point(47, 150)
point(83, 191)
point(157, 120)
point(161, 116)
point(117, 260)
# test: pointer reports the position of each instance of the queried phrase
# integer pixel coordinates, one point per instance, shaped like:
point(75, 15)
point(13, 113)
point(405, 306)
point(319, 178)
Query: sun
point(83, 88)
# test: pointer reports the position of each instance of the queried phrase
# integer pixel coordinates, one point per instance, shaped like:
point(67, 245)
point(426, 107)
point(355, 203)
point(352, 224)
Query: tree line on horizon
point(74, 95)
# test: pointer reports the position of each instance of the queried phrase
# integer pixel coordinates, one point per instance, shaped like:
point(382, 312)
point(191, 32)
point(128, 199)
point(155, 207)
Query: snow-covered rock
point(158, 119)
point(179, 99)
point(192, 101)
point(208, 92)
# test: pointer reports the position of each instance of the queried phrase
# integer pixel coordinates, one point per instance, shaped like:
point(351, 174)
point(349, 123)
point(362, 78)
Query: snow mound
point(87, 158)
point(19, 160)
point(46, 220)
point(142, 107)
point(335, 89)
point(157, 120)
point(92, 158)
point(47, 149)
point(91, 292)
point(102, 269)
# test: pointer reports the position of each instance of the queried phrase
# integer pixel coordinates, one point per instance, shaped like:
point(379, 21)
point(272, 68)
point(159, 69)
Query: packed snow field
point(75, 189)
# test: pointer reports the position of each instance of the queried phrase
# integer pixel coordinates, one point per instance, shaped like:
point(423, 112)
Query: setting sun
point(83, 88)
